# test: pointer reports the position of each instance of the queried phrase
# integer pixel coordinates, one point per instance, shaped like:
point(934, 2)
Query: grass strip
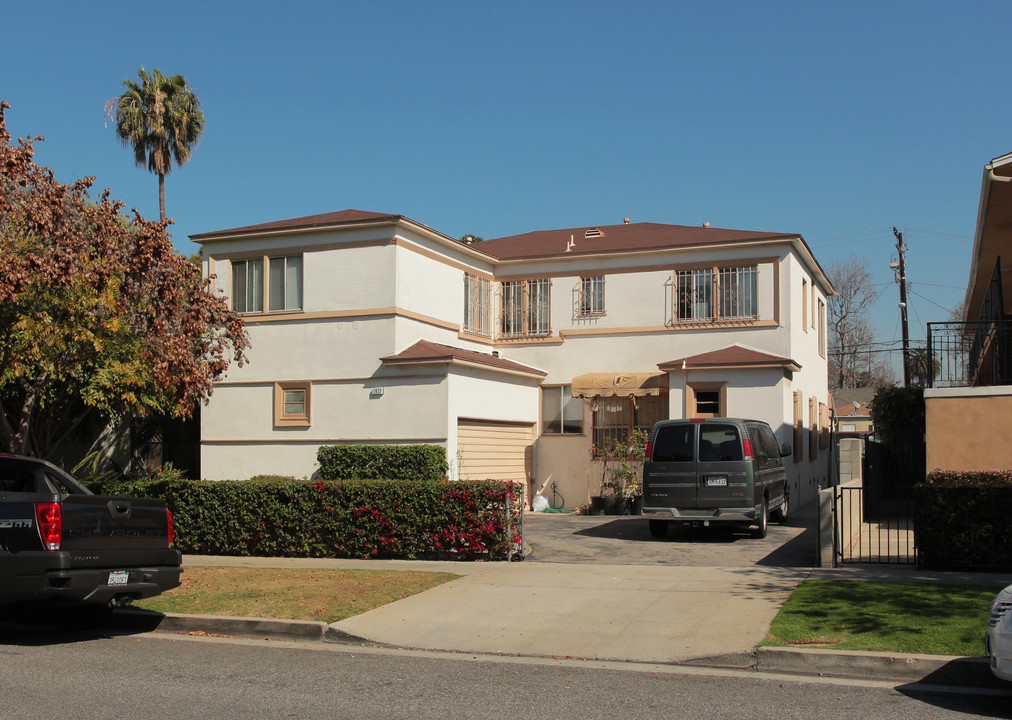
point(920, 618)
point(294, 594)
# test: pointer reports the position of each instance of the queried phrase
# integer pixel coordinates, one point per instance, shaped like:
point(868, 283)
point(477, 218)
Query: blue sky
point(837, 121)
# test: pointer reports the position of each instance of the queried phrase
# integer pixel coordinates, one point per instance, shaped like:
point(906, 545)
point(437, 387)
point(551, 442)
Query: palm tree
point(161, 119)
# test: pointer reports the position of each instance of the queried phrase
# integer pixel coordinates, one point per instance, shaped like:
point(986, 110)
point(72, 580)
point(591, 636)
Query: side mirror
point(786, 450)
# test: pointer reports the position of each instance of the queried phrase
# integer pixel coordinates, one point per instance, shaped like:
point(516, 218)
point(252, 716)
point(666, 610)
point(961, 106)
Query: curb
point(813, 662)
point(894, 667)
point(268, 628)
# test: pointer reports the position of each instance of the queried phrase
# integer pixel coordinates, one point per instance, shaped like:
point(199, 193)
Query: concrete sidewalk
point(651, 614)
point(608, 612)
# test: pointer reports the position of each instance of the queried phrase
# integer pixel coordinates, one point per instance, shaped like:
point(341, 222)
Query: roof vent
point(592, 233)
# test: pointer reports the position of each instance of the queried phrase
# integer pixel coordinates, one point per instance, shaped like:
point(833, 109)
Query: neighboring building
point(520, 355)
point(970, 399)
point(852, 410)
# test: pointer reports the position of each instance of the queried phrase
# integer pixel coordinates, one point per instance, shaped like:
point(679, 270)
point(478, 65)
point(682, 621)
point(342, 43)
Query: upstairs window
point(716, 294)
point(286, 283)
point(248, 286)
point(694, 295)
point(477, 311)
point(592, 296)
point(526, 309)
point(738, 293)
point(822, 329)
point(282, 286)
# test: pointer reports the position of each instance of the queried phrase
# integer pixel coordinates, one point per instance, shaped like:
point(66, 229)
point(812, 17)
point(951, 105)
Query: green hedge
point(964, 520)
point(281, 517)
point(382, 462)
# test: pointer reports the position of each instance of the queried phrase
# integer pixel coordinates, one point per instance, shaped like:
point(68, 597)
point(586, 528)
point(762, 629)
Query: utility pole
point(902, 250)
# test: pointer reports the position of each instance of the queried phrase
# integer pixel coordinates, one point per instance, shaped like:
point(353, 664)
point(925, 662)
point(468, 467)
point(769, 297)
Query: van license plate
point(716, 481)
point(119, 577)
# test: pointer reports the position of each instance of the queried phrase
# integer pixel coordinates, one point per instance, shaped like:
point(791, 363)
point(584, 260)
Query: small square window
point(292, 404)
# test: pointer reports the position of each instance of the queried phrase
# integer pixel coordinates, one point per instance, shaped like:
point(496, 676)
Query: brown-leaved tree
point(99, 315)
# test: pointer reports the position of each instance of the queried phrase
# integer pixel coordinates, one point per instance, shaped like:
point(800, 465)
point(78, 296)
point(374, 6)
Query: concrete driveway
point(618, 540)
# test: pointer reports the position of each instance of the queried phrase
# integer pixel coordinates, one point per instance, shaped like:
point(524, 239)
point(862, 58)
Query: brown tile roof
point(733, 356)
point(343, 217)
point(615, 238)
point(425, 351)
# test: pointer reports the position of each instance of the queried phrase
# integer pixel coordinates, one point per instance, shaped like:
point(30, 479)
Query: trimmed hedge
point(281, 517)
point(964, 520)
point(382, 462)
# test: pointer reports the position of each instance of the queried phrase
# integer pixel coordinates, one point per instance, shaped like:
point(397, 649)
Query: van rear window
point(719, 443)
point(675, 443)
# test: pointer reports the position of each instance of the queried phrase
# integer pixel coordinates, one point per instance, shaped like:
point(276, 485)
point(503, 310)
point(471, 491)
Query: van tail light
point(50, 517)
point(171, 527)
point(748, 449)
point(650, 449)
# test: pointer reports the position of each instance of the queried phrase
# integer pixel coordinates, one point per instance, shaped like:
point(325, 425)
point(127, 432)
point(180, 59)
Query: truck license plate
point(716, 481)
point(119, 577)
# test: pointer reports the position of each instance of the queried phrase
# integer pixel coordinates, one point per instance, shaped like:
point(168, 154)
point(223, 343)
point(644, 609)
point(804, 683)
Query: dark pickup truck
point(59, 542)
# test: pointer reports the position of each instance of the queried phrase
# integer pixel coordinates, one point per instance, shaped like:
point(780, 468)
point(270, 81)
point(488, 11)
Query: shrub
point(962, 520)
point(382, 462)
point(281, 517)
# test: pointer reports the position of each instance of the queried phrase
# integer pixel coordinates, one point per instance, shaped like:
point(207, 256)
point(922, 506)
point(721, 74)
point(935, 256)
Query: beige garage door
point(490, 450)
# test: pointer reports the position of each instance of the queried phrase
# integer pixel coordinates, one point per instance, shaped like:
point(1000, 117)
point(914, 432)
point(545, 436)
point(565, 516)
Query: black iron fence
point(879, 530)
point(962, 354)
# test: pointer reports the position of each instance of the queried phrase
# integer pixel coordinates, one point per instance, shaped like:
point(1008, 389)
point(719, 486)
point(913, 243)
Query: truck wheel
point(762, 522)
point(780, 514)
point(658, 529)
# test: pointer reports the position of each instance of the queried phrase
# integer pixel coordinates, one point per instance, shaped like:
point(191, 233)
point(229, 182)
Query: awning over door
point(620, 384)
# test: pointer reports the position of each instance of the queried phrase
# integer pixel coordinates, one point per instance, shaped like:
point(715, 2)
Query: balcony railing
point(968, 354)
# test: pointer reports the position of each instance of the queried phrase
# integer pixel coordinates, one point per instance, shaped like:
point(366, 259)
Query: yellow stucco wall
point(968, 432)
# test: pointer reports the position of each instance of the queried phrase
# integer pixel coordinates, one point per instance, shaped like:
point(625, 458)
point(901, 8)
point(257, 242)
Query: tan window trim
point(266, 286)
point(691, 391)
point(292, 417)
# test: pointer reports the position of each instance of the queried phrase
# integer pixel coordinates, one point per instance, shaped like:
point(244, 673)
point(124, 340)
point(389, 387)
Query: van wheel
point(762, 522)
point(658, 529)
point(780, 514)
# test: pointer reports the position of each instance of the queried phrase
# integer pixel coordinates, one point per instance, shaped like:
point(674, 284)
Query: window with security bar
point(615, 418)
point(716, 294)
point(477, 307)
point(592, 296)
point(525, 309)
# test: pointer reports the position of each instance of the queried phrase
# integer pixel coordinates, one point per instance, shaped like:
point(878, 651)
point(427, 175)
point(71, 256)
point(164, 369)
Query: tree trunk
point(20, 443)
point(161, 196)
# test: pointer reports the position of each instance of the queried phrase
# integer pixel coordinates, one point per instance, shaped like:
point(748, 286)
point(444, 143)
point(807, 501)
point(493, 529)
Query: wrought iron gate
point(873, 526)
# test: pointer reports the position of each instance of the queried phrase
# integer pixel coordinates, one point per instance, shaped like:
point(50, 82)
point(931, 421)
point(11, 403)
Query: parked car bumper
point(35, 580)
point(716, 516)
point(998, 639)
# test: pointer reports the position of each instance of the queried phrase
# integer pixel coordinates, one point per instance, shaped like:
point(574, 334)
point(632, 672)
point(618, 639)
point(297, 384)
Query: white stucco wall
point(351, 275)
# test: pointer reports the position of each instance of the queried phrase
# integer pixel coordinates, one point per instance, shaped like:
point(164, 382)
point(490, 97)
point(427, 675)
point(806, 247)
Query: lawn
point(294, 594)
point(888, 617)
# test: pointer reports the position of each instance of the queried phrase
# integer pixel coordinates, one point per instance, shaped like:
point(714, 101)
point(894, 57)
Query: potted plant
point(622, 480)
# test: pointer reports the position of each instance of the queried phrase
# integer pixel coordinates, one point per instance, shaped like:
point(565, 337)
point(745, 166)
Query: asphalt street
point(97, 677)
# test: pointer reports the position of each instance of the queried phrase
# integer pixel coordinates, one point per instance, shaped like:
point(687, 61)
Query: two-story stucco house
point(520, 355)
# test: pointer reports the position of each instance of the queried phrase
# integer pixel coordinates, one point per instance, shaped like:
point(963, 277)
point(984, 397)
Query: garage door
point(490, 450)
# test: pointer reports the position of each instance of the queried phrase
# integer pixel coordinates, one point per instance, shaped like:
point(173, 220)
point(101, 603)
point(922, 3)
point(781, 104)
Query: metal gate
point(873, 526)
